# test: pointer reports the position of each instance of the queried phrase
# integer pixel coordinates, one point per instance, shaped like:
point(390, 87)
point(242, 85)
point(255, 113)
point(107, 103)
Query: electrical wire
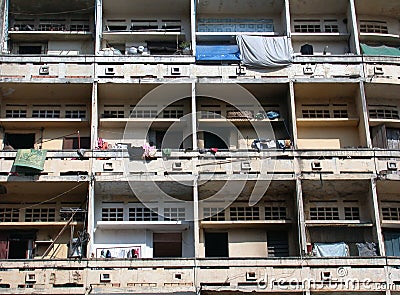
point(52, 13)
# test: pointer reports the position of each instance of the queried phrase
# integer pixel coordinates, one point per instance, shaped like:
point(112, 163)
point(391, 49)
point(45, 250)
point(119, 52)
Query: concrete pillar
point(363, 113)
point(4, 31)
point(287, 18)
point(98, 25)
point(292, 112)
point(90, 216)
point(354, 33)
point(194, 116)
point(300, 218)
point(376, 217)
point(95, 115)
point(193, 25)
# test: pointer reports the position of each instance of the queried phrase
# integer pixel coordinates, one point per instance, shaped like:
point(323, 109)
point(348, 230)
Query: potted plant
point(184, 46)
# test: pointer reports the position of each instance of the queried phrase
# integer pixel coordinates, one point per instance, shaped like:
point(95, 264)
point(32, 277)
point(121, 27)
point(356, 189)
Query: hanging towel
point(31, 158)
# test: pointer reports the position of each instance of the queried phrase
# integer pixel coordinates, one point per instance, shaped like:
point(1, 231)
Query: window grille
point(75, 114)
point(275, 213)
point(9, 215)
point(368, 26)
point(112, 214)
point(174, 213)
point(324, 213)
point(351, 213)
point(40, 214)
point(391, 213)
point(213, 214)
point(244, 213)
point(142, 214)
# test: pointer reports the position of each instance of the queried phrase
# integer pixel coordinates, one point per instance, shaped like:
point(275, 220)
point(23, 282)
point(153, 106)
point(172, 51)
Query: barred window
point(113, 114)
point(379, 27)
point(75, 114)
point(210, 114)
point(213, 214)
point(275, 213)
point(112, 214)
point(15, 113)
point(142, 214)
point(340, 113)
point(9, 215)
point(175, 114)
point(391, 213)
point(324, 213)
point(351, 213)
point(307, 28)
point(244, 213)
point(143, 113)
point(174, 213)
point(389, 112)
point(46, 114)
point(40, 214)
point(331, 28)
point(316, 113)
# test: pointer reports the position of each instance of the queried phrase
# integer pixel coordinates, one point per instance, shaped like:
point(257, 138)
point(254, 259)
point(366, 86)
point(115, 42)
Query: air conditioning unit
point(44, 70)
point(176, 71)
point(308, 70)
point(391, 165)
point(378, 71)
point(30, 278)
point(326, 275)
point(177, 166)
point(245, 166)
point(105, 277)
point(109, 71)
point(251, 276)
point(108, 166)
point(316, 166)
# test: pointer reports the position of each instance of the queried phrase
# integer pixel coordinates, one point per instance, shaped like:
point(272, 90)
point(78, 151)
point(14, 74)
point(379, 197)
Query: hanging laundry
point(31, 158)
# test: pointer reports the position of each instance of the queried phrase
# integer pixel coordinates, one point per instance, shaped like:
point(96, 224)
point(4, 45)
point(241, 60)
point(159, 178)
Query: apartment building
point(140, 154)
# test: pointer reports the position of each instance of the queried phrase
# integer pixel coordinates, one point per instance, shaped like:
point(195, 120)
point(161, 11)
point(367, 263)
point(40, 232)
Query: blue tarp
point(217, 53)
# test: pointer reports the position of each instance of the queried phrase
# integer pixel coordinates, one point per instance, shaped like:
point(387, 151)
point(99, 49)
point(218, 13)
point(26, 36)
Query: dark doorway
point(167, 244)
point(72, 143)
point(278, 244)
point(392, 242)
point(216, 244)
point(212, 140)
point(171, 140)
point(34, 49)
point(17, 249)
point(20, 141)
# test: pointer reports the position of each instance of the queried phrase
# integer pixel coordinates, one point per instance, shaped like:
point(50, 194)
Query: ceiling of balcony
point(389, 8)
point(51, 7)
point(314, 7)
point(240, 7)
point(382, 91)
point(335, 189)
point(132, 8)
point(324, 90)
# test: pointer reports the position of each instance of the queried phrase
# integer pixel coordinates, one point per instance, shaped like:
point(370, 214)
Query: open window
point(19, 140)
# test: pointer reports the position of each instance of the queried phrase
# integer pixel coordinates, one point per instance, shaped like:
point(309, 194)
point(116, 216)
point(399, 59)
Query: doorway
point(212, 140)
point(167, 245)
point(216, 244)
point(18, 248)
point(72, 143)
point(30, 49)
point(20, 141)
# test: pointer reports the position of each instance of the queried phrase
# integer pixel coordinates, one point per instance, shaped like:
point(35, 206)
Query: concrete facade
point(188, 219)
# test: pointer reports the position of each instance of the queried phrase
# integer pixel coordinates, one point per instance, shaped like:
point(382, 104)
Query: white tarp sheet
point(264, 51)
point(331, 249)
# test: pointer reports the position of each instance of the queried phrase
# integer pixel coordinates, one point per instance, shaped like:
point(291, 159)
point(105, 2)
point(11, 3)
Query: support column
point(363, 110)
point(376, 217)
point(95, 116)
point(194, 116)
point(98, 25)
point(4, 31)
point(90, 215)
point(287, 18)
point(292, 112)
point(354, 29)
point(300, 218)
point(193, 25)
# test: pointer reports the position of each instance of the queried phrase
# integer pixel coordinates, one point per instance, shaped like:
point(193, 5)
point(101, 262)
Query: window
point(112, 214)
point(351, 213)
point(324, 213)
point(79, 25)
point(46, 114)
point(51, 25)
point(40, 215)
point(114, 111)
point(275, 213)
point(15, 113)
point(139, 112)
point(244, 213)
point(9, 215)
point(75, 114)
point(174, 213)
point(372, 26)
point(315, 113)
point(213, 214)
point(316, 26)
point(308, 27)
point(210, 114)
point(340, 113)
point(142, 214)
point(391, 213)
point(383, 112)
point(175, 114)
